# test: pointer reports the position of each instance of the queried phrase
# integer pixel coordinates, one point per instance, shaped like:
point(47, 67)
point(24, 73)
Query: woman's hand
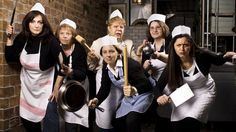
point(164, 99)
point(93, 103)
point(92, 56)
point(9, 32)
point(161, 56)
point(54, 94)
point(66, 70)
point(140, 48)
point(229, 54)
point(129, 90)
point(147, 65)
point(56, 88)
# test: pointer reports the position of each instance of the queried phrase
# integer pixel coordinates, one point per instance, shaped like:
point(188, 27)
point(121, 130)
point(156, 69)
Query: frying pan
point(72, 96)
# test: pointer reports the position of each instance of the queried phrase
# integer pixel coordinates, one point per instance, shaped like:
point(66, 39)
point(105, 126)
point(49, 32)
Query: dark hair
point(173, 66)
point(46, 31)
point(164, 28)
point(117, 49)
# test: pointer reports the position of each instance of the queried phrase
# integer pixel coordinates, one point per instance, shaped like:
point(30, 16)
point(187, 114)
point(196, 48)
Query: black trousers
point(69, 127)
point(129, 123)
point(31, 126)
point(187, 125)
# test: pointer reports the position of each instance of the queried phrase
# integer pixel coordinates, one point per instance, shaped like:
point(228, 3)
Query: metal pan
point(71, 96)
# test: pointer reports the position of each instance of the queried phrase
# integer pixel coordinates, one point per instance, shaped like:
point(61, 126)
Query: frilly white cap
point(115, 13)
point(68, 22)
point(159, 17)
point(109, 40)
point(38, 7)
point(181, 29)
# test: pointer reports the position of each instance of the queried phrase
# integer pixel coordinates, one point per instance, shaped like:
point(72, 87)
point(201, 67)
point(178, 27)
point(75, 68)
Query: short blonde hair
point(116, 19)
point(69, 28)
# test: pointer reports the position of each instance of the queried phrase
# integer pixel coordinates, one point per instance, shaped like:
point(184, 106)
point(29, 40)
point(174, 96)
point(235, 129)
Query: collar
point(115, 71)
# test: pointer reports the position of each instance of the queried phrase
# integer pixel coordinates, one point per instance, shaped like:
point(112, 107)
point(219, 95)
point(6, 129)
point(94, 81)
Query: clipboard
point(181, 95)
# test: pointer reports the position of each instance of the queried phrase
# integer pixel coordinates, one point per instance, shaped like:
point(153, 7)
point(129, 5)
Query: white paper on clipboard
point(181, 95)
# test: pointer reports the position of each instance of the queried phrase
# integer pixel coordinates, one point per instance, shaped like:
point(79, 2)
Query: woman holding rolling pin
point(133, 99)
point(115, 28)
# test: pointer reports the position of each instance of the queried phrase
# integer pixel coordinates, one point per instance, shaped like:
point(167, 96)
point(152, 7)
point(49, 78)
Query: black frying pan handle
point(99, 108)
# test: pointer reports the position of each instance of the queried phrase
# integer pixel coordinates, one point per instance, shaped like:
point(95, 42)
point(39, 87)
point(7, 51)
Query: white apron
point(159, 66)
point(198, 106)
point(110, 104)
point(80, 116)
point(36, 86)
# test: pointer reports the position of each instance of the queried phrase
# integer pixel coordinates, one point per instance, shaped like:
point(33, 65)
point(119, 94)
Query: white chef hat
point(115, 13)
point(159, 17)
point(68, 22)
point(181, 29)
point(38, 7)
point(109, 40)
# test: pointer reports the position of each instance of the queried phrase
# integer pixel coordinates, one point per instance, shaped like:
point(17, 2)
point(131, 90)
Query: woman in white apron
point(115, 28)
point(37, 50)
point(154, 54)
point(74, 68)
point(189, 64)
point(130, 102)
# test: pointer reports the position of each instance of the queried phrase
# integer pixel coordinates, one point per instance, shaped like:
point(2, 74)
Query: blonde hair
point(121, 21)
point(69, 28)
point(65, 26)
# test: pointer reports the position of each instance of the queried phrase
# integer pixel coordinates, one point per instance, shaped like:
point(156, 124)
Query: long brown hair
point(175, 78)
point(46, 31)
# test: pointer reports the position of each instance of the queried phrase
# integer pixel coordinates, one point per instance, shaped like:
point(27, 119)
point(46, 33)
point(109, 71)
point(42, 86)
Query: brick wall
point(89, 15)
point(136, 33)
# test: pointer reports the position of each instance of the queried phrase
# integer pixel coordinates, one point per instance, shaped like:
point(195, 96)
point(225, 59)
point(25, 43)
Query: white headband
point(159, 17)
point(181, 29)
point(38, 7)
point(68, 22)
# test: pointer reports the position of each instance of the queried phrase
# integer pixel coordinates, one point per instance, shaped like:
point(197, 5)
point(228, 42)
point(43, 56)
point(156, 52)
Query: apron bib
point(158, 66)
point(80, 116)
point(197, 107)
point(139, 103)
point(110, 104)
point(36, 86)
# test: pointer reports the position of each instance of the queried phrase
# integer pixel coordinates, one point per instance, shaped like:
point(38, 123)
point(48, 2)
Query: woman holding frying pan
point(73, 69)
